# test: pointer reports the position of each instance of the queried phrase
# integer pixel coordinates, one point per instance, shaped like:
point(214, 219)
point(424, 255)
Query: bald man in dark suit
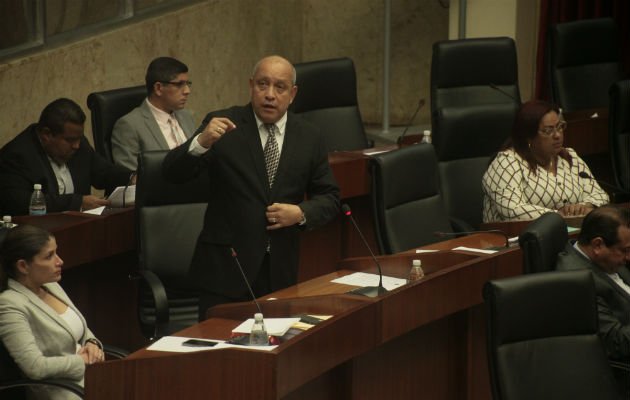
point(257, 204)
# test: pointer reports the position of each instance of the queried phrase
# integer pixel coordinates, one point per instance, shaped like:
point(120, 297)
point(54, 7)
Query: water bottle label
point(41, 211)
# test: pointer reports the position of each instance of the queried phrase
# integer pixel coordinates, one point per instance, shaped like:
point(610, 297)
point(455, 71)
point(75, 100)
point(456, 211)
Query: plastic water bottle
point(258, 335)
point(426, 136)
point(38, 201)
point(416, 272)
point(6, 222)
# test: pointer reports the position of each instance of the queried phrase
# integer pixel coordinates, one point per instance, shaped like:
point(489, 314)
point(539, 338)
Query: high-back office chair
point(106, 108)
point(543, 338)
point(169, 219)
point(327, 96)
point(584, 60)
point(407, 204)
point(474, 98)
point(619, 132)
point(542, 241)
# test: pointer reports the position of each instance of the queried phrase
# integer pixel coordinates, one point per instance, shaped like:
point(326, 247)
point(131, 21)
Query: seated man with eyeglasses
point(603, 246)
point(55, 153)
point(534, 173)
point(160, 122)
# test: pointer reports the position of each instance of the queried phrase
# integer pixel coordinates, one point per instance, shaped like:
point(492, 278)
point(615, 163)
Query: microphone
point(494, 231)
point(498, 89)
point(240, 268)
point(368, 291)
point(420, 105)
point(585, 175)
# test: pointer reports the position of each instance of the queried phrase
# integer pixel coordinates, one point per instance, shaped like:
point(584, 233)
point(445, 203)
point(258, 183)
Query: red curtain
point(557, 11)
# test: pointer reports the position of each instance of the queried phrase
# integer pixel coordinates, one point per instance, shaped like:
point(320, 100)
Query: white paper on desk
point(116, 198)
point(374, 152)
point(274, 326)
point(174, 344)
point(364, 279)
point(95, 211)
point(475, 250)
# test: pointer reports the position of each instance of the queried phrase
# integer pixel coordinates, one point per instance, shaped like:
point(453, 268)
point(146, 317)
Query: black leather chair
point(169, 219)
point(460, 185)
point(543, 341)
point(541, 242)
point(327, 96)
point(474, 98)
point(619, 134)
point(13, 383)
point(106, 108)
point(584, 60)
point(407, 204)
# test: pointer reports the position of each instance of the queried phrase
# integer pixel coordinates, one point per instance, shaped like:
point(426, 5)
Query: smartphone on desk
point(199, 343)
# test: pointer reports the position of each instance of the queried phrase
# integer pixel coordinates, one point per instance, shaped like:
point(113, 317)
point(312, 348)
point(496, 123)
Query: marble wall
point(220, 40)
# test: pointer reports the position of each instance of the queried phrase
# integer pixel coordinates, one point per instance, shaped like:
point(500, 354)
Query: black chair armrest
point(113, 352)
point(160, 301)
point(69, 386)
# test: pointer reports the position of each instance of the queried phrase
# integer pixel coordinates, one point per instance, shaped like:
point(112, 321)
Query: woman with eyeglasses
point(534, 173)
point(42, 330)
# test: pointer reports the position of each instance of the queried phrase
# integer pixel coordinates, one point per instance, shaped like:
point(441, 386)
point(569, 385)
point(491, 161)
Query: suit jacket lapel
point(39, 303)
point(183, 123)
point(251, 136)
point(152, 125)
point(50, 183)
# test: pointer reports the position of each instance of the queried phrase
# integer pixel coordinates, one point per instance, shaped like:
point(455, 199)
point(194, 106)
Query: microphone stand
point(368, 291)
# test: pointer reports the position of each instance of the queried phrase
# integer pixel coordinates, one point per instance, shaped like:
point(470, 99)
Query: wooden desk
point(423, 340)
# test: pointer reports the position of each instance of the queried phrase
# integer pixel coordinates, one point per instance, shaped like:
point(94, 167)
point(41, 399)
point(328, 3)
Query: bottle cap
point(6, 218)
point(426, 132)
point(416, 263)
point(37, 186)
point(258, 316)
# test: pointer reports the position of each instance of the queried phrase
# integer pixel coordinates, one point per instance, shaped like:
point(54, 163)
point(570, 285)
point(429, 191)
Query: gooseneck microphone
point(420, 105)
point(240, 268)
point(368, 291)
point(493, 231)
point(585, 175)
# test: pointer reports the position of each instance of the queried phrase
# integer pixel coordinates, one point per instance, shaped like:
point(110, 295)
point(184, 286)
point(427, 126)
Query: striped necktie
point(272, 153)
point(174, 135)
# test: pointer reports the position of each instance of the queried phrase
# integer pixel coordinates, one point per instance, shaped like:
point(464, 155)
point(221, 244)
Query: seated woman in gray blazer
point(40, 327)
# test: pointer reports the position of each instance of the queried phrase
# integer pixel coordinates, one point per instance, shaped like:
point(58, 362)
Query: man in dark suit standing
point(54, 153)
point(603, 246)
point(262, 162)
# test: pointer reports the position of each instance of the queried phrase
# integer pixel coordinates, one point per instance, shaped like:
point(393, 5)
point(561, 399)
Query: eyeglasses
point(549, 130)
point(178, 84)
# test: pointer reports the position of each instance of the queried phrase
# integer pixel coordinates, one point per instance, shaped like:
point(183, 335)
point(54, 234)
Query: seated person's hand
point(90, 202)
point(91, 353)
point(573, 210)
point(216, 128)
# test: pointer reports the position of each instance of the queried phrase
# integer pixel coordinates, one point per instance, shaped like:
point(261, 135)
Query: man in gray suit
point(160, 122)
point(603, 246)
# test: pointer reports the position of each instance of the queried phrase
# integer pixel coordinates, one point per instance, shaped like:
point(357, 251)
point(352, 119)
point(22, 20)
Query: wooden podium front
point(422, 340)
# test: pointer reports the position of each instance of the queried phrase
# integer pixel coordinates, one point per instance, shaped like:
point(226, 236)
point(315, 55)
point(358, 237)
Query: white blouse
point(513, 192)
